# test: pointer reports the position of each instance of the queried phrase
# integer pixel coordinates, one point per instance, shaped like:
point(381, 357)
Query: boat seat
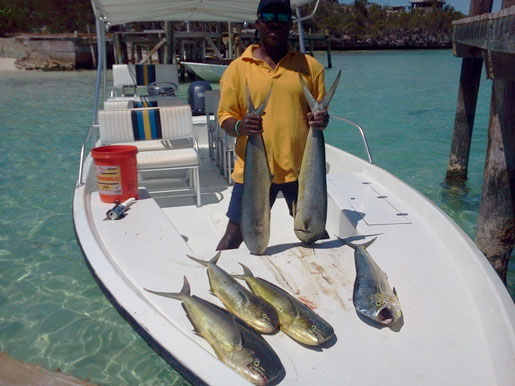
point(221, 145)
point(163, 135)
point(133, 76)
point(212, 98)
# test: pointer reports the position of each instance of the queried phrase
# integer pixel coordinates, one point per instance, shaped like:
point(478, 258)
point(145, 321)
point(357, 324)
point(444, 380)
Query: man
point(286, 121)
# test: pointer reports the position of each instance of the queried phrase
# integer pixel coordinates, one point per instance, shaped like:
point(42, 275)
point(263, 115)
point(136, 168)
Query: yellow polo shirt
point(285, 125)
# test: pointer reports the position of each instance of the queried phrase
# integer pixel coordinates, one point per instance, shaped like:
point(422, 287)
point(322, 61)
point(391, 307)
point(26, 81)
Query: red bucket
point(116, 169)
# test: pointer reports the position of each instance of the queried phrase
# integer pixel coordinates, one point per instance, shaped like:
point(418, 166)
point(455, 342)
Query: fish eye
point(264, 316)
point(313, 327)
point(256, 362)
point(379, 303)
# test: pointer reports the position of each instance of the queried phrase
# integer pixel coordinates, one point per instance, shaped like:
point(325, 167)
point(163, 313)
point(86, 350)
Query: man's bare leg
point(232, 238)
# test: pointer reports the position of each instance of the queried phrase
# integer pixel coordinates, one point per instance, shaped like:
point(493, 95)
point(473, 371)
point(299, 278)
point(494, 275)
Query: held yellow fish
point(255, 202)
point(296, 320)
point(250, 308)
point(239, 347)
point(310, 210)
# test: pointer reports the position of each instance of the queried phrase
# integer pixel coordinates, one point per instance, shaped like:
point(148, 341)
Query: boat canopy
point(114, 12)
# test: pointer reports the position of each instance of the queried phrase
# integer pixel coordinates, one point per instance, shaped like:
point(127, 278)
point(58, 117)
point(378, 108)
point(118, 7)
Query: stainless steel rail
point(362, 132)
point(89, 135)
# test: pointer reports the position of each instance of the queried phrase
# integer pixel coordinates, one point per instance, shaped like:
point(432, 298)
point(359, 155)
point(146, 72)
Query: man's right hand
point(251, 124)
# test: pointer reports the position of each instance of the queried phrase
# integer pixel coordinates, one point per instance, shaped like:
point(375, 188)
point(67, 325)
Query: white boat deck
point(447, 337)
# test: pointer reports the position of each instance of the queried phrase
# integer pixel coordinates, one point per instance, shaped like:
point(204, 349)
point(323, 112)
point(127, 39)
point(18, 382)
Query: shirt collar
point(247, 54)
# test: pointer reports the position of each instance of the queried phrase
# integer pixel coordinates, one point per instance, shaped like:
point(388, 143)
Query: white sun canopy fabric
point(125, 11)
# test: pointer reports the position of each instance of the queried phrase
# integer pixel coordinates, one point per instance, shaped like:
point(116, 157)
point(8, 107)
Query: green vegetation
point(363, 19)
point(52, 16)
point(359, 20)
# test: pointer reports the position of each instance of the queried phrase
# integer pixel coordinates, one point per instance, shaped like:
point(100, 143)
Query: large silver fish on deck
point(373, 296)
point(255, 208)
point(296, 320)
point(239, 347)
point(253, 310)
point(311, 206)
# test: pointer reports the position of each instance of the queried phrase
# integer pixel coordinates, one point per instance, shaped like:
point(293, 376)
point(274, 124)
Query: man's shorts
point(288, 189)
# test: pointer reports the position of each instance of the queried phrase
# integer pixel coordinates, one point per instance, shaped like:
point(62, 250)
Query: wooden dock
point(488, 38)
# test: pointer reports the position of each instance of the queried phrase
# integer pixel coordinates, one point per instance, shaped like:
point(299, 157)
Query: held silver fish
point(373, 297)
point(310, 210)
point(255, 206)
point(250, 308)
point(239, 347)
point(296, 320)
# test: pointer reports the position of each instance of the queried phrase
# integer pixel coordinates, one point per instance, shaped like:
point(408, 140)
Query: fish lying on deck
point(255, 206)
point(253, 310)
point(295, 319)
point(373, 296)
point(311, 207)
point(237, 346)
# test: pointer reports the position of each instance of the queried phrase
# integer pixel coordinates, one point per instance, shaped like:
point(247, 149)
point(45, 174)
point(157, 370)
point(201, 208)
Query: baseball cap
point(284, 4)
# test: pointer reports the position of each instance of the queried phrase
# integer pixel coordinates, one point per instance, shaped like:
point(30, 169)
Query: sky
point(459, 5)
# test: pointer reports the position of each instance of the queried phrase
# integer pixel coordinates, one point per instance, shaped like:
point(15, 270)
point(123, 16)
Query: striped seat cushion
point(146, 124)
point(145, 74)
point(143, 103)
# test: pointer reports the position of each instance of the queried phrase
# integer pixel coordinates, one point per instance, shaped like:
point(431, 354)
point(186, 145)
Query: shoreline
point(7, 64)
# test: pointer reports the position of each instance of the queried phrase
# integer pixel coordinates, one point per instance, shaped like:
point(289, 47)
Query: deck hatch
point(369, 200)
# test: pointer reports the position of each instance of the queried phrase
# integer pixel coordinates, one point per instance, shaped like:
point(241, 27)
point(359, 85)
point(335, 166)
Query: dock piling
point(470, 78)
point(495, 234)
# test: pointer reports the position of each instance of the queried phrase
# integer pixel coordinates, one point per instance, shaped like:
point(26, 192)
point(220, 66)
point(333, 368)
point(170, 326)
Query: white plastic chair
point(212, 99)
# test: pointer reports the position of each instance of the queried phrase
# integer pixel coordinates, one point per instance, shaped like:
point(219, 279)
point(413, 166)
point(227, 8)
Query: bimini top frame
point(114, 12)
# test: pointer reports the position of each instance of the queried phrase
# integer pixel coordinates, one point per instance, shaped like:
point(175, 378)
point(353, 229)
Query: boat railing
point(90, 136)
point(361, 131)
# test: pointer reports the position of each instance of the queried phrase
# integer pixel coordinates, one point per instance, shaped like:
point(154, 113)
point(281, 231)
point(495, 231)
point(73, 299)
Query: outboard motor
point(196, 96)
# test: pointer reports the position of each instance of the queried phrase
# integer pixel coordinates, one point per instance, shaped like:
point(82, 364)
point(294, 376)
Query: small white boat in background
point(459, 320)
point(207, 71)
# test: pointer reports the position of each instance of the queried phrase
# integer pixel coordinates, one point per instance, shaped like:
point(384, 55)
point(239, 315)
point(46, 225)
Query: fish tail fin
point(329, 95)
point(368, 243)
point(185, 291)
point(261, 108)
point(246, 272)
point(250, 105)
point(215, 258)
point(356, 246)
point(309, 98)
point(203, 262)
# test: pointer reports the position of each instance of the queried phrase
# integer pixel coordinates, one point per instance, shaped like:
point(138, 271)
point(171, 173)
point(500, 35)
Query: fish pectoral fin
point(325, 235)
point(395, 292)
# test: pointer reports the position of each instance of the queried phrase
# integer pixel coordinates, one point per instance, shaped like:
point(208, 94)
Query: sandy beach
point(7, 64)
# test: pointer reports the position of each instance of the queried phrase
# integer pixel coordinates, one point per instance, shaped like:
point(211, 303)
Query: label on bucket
point(109, 179)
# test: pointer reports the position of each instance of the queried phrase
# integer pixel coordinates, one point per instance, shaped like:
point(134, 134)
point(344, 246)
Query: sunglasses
point(269, 17)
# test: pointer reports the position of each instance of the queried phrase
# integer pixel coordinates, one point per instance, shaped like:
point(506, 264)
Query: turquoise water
point(51, 311)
